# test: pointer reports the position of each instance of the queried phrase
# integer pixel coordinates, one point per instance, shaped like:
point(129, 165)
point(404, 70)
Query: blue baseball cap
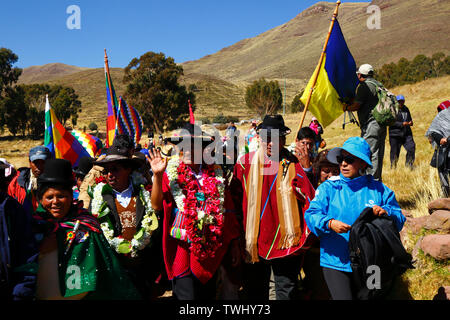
point(356, 146)
point(400, 97)
point(39, 153)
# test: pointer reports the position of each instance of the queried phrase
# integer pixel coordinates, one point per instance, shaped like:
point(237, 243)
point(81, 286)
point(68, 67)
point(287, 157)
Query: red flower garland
point(205, 240)
point(101, 179)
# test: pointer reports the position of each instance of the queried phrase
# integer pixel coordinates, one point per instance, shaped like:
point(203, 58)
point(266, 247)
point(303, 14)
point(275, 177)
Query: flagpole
point(109, 79)
point(316, 72)
point(114, 114)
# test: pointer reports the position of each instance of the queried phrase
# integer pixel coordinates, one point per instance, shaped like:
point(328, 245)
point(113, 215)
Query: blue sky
point(183, 29)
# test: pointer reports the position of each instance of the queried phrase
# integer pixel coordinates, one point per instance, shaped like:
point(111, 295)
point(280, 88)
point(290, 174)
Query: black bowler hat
point(273, 122)
point(192, 132)
point(84, 166)
point(57, 171)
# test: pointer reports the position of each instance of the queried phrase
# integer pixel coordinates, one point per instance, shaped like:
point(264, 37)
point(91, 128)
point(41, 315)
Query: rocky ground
point(436, 239)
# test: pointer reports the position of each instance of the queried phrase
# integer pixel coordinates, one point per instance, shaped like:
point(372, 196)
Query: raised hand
point(303, 156)
point(157, 162)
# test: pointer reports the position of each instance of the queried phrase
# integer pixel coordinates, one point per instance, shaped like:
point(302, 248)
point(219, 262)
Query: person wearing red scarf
point(271, 193)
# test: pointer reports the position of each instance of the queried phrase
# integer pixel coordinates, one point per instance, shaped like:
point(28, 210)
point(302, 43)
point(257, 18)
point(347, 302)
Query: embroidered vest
point(127, 218)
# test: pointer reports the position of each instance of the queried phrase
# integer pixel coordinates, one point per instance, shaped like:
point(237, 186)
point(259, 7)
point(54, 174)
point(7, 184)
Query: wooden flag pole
point(322, 56)
point(109, 79)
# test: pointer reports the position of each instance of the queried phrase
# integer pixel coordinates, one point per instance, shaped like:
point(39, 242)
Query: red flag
point(191, 113)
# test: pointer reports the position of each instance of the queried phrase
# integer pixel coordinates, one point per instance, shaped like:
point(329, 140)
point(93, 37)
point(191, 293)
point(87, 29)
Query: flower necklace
point(202, 206)
point(149, 222)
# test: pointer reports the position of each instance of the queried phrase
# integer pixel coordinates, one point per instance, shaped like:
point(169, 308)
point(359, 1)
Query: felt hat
point(84, 166)
point(57, 171)
point(273, 122)
point(121, 150)
point(192, 132)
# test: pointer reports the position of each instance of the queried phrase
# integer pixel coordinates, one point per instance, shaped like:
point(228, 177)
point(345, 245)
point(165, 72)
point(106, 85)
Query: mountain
point(288, 53)
point(408, 28)
point(214, 96)
point(47, 72)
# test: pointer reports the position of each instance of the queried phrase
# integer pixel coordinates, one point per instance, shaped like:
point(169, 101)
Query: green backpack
point(386, 110)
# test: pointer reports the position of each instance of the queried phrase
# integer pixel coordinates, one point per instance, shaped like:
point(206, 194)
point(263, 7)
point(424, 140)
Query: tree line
point(416, 70)
point(22, 107)
point(153, 88)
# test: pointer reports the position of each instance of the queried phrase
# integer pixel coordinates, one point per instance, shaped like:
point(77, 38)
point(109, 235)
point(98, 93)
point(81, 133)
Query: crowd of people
point(134, 223)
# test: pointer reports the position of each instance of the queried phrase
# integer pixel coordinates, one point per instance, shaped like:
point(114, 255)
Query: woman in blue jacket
point(338, 203)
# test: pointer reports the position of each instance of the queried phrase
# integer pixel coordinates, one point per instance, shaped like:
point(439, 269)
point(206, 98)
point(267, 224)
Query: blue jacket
point(344, 199)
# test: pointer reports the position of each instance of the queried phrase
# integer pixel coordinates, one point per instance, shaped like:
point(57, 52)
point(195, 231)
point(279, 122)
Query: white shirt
point(124, 197)
point(198, 175)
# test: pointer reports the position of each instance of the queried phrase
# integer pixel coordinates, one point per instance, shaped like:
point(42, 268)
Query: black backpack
point(375, 241)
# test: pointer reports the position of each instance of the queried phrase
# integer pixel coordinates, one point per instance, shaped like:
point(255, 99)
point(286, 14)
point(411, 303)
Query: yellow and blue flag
point(336, 81)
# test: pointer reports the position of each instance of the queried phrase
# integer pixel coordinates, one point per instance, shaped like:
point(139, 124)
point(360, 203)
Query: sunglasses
point(347, 159)
point(334, 171)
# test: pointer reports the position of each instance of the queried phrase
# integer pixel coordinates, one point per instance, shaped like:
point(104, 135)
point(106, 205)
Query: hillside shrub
point(264, 97)
point(220, 118)
point(296, 104)
point(419, 69)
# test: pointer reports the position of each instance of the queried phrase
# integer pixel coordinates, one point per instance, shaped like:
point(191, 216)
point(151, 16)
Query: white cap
point(365, 69)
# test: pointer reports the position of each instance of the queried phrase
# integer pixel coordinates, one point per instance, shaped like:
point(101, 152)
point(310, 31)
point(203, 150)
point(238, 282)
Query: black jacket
point(397, 129)
point(15, 284)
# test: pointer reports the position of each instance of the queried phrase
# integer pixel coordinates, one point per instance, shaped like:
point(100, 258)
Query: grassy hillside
point(293, 49)
point(287, 53)
point(213, 95)
point(47, 72)
point(413, 189)
point(422, 99)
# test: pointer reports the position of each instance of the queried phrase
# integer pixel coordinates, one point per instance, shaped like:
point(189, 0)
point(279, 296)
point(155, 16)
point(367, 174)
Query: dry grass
point(413, 189)
point(294, 47)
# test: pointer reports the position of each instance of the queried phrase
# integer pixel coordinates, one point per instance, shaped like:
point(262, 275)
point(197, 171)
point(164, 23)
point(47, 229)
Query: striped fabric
point(59, 141)
point(93, 145)
point(129, 121)
point(178, 231)
point(112, 106)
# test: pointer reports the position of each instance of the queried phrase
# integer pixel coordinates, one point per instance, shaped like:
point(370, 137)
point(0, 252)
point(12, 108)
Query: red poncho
point(178, 258)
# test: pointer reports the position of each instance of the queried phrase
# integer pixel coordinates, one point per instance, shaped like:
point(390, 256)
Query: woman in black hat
point(75, 260)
